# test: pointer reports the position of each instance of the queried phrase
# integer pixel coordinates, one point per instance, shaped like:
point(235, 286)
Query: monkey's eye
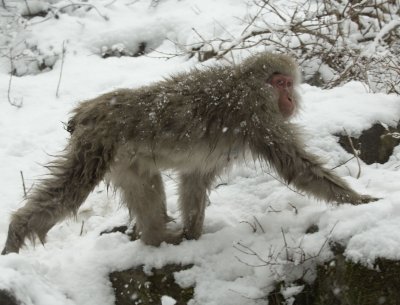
point(289, 84)
point(280, 83)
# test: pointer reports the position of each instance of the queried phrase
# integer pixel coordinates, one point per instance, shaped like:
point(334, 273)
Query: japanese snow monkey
point(196, 123)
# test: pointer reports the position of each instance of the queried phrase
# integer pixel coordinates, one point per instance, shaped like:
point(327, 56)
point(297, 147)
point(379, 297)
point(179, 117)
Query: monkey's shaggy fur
point(195, 123)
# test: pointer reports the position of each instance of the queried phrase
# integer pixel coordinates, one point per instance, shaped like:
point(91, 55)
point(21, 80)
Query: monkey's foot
point(191, 234)
point(174, 237)
point(156, 238)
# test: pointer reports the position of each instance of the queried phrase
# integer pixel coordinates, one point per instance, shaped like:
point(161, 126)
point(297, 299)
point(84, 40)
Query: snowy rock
point(134, 286)
point(6, 298)
point(375, 145)
point(341, 281)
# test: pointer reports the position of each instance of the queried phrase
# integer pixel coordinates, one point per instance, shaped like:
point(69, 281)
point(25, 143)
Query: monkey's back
point(213, 111)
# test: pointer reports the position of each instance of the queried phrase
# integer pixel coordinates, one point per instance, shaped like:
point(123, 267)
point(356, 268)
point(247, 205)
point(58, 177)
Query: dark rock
point(202, 55)
point(7, 298)
point(312, 229)
point(375, 145)
point(316, 80)
point(141, 49)
point(120, 50)
point(337, 248)
point(121, 229)
point(134, 286)
point(305, 297)
point(130, 232)
point(343, 282)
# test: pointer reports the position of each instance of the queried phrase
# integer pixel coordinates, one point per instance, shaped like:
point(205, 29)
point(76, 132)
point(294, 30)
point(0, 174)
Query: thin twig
point(198, 34)
point(23, 183)
point(354, 153)
point(259, 224)
point(224, 28)
point(28, 8)
point(341, 164)
point(248, 251)
point(9, 82)
point(83, 223)
point(86, 4)
point(286, 245)
point(295, 209)
point(276, 11)
point(252, 225)
point(255, 17)
point(61, 69)
point(12, 103)
point(273, 210)
point(327, 238)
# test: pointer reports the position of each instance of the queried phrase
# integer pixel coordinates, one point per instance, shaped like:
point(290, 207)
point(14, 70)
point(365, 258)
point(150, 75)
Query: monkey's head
point(278, 73)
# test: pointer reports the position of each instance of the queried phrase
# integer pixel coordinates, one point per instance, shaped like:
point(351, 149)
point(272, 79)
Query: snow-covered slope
point(251, 212)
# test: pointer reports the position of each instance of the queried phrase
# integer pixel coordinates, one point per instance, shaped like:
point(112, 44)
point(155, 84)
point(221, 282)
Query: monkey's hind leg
point(193, 200)
point(72, 177)
point(143, 193)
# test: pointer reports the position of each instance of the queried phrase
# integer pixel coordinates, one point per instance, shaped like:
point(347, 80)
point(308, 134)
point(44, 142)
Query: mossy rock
point(134, 286)
point(343, 282)
point(375, 145)
point(304, 297)
point(7, 298)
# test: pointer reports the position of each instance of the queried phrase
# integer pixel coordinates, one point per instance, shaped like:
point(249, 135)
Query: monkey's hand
point(8, 250)
point(358, 199)
point(366, 199)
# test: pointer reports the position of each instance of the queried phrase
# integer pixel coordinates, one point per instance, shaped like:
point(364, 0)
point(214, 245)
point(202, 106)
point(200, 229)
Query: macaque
point(195, 123)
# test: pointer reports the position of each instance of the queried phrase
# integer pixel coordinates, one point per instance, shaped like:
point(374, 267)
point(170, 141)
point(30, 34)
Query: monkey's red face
point(284, 85)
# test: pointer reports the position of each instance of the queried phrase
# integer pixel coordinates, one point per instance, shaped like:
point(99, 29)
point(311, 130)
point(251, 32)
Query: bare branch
point(355, 153)
point(105, 17)
point(320, 32)
point(28, 8)
point(286, 245)
point(23, 183)
point(61, 69)
point(10, 101)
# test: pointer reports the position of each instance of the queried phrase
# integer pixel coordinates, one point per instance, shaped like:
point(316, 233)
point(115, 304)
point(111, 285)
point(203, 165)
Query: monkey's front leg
point(193, 200)
point(286, 154)
point(308, 174)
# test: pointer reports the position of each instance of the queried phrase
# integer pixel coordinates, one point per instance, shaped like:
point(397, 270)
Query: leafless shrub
point(335, 41)
point(290, 264)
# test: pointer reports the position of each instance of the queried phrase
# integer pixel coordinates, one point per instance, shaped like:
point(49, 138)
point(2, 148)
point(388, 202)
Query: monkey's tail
point(72, 177)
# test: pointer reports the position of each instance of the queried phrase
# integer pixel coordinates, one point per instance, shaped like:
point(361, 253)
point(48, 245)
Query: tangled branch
point(352, 40)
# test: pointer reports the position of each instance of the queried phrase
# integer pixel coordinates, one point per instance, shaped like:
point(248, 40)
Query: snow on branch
point(334, 41)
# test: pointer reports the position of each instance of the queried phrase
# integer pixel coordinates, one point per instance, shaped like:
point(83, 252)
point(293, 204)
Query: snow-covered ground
point(250, 211)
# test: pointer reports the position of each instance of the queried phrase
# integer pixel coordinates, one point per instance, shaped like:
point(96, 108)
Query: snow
point(254, 232)
point(166, 300)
